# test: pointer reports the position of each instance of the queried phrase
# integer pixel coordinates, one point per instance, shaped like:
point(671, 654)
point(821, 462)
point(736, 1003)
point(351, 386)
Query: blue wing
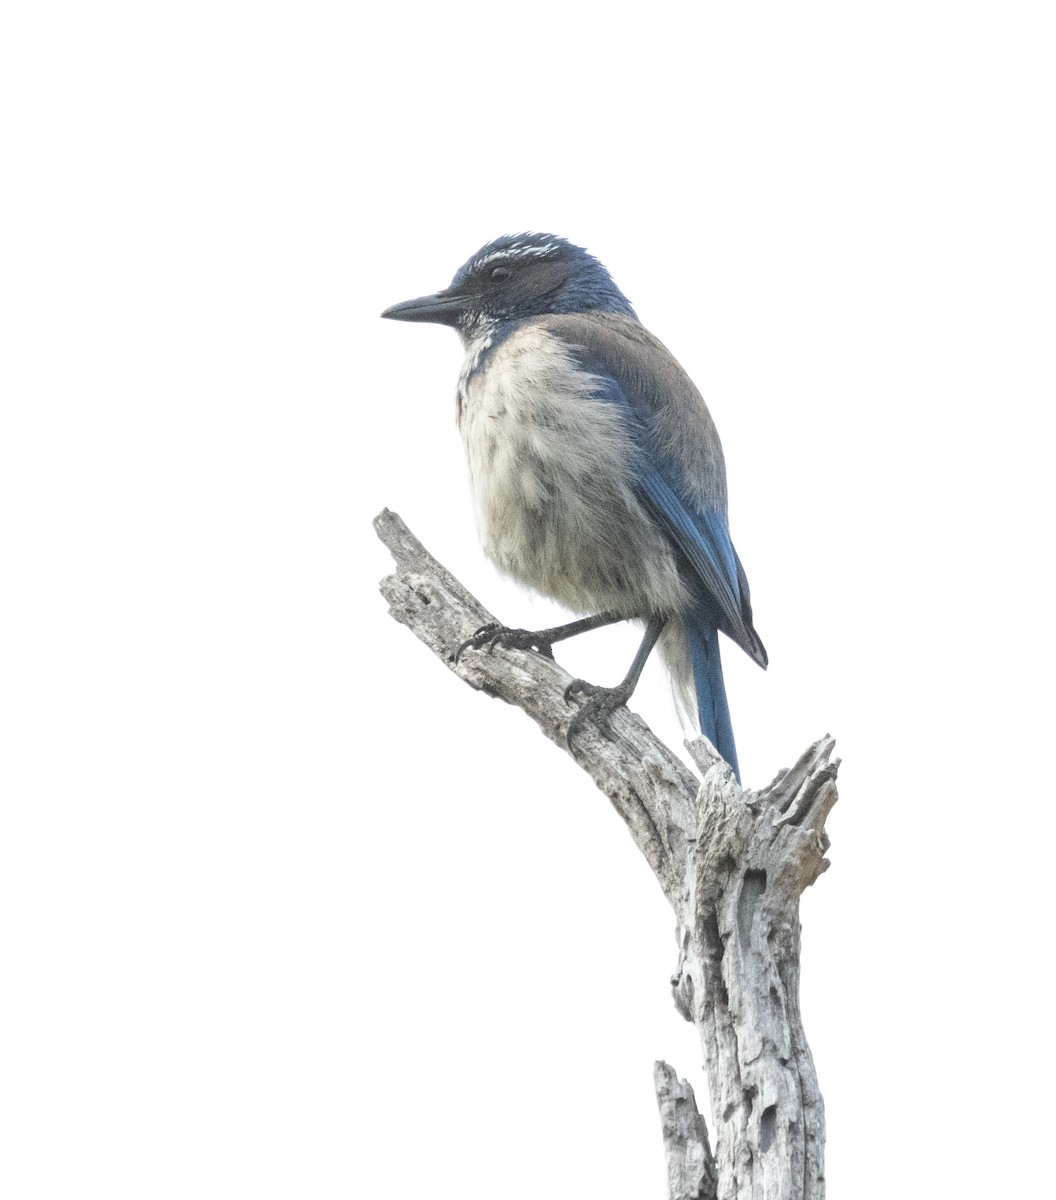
point(674, 435)
point(704, 540)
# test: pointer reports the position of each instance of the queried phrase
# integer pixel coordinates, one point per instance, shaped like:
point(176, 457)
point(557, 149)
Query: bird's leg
point(602, 702)
point(542, 640)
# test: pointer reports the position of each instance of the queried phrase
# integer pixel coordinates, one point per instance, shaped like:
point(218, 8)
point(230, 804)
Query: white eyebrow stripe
point(517, 250)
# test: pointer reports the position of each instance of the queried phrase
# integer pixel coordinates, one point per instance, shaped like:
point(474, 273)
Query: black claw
point(487, 637)
point(598, 708)
point(476, 641)
point(577, 724)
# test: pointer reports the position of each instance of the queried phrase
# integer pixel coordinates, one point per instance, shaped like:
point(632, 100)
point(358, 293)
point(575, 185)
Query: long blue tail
point(712, 708)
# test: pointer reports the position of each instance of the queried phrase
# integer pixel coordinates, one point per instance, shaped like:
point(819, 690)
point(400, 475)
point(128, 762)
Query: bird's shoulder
point(621, 347)
point(675, 425)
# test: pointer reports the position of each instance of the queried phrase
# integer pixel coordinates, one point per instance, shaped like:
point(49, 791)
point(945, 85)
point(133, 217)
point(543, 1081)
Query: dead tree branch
point(732, 864)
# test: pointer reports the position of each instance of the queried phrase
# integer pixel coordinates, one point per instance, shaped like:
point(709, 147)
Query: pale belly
point(551, 468)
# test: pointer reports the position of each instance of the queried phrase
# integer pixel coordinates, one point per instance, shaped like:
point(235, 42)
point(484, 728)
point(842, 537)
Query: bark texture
point(690, 1163)
point(732, 864)
point(738, 974)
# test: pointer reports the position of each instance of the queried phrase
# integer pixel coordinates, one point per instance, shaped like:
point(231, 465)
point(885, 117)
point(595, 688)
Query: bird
point(596, 470)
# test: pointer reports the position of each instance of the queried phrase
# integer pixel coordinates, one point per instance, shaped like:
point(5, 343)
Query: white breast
point(551, 467)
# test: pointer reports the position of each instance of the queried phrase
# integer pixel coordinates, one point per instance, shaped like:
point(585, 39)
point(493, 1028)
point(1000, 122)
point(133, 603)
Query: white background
point(285, 909)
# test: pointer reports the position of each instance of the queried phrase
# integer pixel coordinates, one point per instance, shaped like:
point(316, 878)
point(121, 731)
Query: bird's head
point(517, 276)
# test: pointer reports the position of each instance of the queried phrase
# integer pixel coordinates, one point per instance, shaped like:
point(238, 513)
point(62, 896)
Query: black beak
point(442, 308)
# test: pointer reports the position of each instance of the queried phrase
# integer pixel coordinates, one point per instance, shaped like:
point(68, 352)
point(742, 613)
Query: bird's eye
point(498, 274)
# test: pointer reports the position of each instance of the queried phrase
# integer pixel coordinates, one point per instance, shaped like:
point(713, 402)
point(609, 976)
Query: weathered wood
point(733, 865)
point(738, 974)
point(690, 1163)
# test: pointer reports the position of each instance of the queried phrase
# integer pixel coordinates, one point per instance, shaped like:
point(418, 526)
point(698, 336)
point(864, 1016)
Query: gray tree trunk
point(732, 864)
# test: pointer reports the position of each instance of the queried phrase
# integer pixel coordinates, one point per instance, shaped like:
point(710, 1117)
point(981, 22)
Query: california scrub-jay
point(596, 468)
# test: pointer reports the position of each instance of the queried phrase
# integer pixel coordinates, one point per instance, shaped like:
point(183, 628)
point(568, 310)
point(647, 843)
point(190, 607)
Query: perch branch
point(649, 786)
point(732, 864)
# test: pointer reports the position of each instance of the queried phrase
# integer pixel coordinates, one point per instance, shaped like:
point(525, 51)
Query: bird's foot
point(600, 704)
point(491, 635)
